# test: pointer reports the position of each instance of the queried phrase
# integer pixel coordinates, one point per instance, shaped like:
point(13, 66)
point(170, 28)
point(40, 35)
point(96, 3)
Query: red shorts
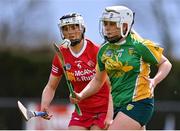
point(88, 119)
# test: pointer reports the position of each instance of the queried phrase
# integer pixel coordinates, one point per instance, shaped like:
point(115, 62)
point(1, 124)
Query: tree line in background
point(25, 74)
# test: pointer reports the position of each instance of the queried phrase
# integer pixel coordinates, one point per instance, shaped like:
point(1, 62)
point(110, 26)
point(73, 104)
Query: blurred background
point(27, 29)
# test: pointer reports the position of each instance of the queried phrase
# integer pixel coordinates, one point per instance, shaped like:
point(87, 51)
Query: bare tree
point(163, 25)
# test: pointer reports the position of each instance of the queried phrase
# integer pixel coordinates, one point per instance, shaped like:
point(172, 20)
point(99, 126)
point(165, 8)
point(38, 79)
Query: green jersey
point(126, 65)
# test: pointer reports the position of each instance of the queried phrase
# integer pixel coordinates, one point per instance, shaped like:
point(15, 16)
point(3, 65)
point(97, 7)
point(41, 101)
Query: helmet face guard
point(119, 15)
point(72, 19)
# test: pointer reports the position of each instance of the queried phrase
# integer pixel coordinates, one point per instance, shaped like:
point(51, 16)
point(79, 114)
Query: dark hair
point(69, 15)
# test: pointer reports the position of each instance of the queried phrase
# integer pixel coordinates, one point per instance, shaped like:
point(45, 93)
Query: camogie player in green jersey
point(126, 59)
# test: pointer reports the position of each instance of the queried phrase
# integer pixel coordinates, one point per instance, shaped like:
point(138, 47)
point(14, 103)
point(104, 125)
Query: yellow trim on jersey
point(142, 89)
point(136, 37)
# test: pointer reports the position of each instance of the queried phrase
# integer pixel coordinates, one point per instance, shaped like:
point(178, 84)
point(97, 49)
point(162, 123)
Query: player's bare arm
point(163, 70)
point(109, 117)
point(48, 93)
point(93, 87)
point(95, 84)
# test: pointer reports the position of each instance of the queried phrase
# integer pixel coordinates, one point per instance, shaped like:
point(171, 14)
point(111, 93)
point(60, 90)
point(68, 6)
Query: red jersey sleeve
point(56, 67)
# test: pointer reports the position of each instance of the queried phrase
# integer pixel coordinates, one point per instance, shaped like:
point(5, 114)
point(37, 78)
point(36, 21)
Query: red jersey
point(80, 69)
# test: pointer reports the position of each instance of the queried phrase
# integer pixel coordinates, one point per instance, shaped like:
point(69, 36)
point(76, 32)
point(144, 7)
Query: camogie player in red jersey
point(80, 63)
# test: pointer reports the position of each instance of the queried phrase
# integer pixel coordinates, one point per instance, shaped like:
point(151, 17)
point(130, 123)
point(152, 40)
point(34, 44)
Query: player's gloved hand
point(47, 116)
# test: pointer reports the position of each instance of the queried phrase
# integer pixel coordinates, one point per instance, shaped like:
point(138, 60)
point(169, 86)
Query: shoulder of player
point(147, 43)
point(139, 40)
point(103, 47)
point(91, 44)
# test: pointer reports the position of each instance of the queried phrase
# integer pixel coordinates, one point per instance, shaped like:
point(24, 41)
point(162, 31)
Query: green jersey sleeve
point(150, 52)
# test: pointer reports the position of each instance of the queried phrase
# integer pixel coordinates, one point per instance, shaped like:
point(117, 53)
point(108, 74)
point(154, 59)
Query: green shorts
point(141, 111)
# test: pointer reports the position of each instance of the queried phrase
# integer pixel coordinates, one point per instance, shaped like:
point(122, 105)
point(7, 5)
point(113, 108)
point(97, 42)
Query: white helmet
point(120, 15)
point(72, 18)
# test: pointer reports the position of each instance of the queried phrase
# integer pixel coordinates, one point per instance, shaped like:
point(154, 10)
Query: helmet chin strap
point(76, 41)
point(114, 39)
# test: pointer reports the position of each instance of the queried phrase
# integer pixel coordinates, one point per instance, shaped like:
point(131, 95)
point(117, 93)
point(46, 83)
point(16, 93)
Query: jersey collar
point(81, 51)
point(120, 43)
